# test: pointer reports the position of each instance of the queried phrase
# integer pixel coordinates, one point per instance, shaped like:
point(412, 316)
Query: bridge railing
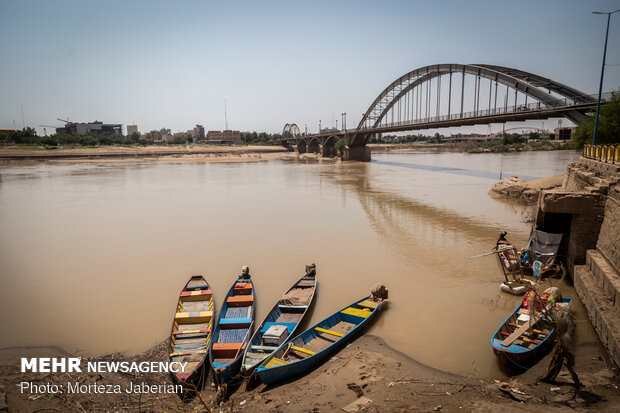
point(552, 104)
point(603, 153)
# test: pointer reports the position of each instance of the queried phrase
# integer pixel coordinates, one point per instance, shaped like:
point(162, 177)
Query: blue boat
point(302, 353)
point(288, 313)
point(523, 339)
point(233, 331)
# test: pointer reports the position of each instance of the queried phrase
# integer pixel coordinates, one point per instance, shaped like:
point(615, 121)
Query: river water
point(93, 255)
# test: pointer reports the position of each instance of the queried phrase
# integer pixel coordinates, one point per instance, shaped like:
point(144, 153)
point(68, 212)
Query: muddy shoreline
point(368, 373)
point(206, 153)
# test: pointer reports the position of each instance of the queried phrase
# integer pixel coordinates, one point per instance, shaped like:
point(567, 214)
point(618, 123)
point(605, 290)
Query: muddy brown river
point(93, 255)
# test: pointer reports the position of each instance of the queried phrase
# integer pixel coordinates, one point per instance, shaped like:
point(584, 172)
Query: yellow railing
point(603, 153)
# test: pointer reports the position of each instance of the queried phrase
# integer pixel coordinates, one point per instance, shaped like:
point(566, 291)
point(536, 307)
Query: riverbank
point(207, 153)
point(523, 190)
point(366, 374)
point(472, 147)
point(232, 153)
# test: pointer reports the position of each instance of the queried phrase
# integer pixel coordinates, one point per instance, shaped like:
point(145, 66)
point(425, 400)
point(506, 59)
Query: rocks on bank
point(524, 190)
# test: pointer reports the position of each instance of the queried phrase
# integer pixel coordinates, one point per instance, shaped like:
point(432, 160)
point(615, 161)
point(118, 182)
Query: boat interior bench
point(356, 312)
point(264, 348)
point(274, 362)
point(194, 317)
point(333, 333)
point(240, 300)
point(235, 322)
point(204, 331)
point(226, 350)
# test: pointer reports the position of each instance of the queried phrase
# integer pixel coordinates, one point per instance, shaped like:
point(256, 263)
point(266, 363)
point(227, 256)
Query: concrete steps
point(598, 286)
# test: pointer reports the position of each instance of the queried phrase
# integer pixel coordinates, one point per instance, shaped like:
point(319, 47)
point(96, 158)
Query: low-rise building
point(226, 136)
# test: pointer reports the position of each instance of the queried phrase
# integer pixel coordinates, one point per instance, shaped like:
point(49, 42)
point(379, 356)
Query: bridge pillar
point(301, 147)
point(356, 153)
point(327, 151)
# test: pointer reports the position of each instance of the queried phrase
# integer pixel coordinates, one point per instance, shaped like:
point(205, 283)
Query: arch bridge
point(450, 95)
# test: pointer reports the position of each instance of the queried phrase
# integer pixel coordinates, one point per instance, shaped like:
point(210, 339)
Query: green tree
point(339, 146)
point(510, 138)
point(88, 141)
point(608, 125)
point(26, 135)
point(49, 141)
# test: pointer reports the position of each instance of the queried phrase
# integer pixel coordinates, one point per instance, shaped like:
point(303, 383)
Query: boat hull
point(233, 330)
point(252, 359)
point(300, 367)
point(515, 358)
point(190, 336)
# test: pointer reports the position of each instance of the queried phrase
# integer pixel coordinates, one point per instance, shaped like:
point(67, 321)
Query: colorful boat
point(523, 339)
point(233, 331)
point(307, 350)
point(190, 337)
point(281, 322)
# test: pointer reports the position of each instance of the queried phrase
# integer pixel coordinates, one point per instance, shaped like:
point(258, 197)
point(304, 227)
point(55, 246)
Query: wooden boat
point(288, 312)
point(302, 353)
point(509, 262)
point(523, 339)
point(190, 337)
point(233, 331)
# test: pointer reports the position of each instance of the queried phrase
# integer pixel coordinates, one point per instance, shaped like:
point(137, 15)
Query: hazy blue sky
point(173, 63)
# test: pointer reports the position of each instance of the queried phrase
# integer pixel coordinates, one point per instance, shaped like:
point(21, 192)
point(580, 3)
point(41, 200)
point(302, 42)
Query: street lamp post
point(600, 87)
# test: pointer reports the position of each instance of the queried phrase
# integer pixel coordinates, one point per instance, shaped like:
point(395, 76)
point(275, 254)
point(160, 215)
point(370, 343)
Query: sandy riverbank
point(367, 372)
point(207, 153)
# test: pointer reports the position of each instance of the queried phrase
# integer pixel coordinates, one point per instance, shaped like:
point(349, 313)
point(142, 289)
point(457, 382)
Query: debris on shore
point(526, 191)
point(368, 375)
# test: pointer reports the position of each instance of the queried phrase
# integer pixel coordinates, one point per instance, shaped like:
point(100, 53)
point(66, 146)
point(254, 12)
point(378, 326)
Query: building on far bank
point(131, 129)
point(91, 128)
point(199, 132)
point(226, 136)
point(6, 131)
point(564, 133)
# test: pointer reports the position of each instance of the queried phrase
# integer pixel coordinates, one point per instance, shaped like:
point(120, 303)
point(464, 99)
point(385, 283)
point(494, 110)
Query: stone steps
point(605, 276)
point(597, 284)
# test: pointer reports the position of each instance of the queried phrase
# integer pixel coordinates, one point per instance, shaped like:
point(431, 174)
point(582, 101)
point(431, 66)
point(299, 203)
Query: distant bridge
point(449, 95)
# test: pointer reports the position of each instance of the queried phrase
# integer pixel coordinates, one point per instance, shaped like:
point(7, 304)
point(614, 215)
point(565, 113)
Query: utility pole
point(600, 87)
point(319, 126)
point(226, 115)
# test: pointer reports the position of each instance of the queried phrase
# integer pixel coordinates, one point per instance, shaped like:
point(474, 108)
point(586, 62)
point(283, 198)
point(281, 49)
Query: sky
point(173, 64)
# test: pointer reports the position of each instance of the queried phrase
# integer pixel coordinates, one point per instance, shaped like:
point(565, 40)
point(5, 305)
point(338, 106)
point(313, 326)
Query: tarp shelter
point(543, 247)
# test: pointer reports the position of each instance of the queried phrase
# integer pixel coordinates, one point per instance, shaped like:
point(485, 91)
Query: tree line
point(608, 125)
point(28, 136)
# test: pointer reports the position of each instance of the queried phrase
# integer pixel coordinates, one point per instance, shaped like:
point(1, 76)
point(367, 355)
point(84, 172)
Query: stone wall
point(592, 198)
point(586, 211)
point(584, 199)
point(609, 237)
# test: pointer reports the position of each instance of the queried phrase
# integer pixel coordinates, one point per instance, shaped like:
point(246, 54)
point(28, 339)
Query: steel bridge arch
point(527, 83)
point(525, 128)
point(291, 131)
